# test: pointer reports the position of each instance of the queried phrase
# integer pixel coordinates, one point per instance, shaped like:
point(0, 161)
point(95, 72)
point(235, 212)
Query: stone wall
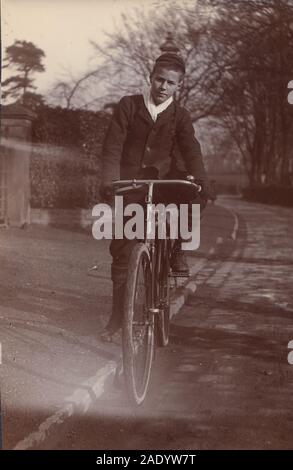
point(63, 218)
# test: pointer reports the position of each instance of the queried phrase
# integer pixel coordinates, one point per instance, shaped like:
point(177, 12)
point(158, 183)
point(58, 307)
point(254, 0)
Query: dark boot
point(114, 324)
point(178, 260)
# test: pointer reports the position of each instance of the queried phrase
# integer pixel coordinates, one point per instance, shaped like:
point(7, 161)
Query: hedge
point(62, 184)
point(65, 164)
point(278, 195)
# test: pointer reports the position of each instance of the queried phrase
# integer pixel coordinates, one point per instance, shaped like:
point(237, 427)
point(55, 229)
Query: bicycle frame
point(126, 185)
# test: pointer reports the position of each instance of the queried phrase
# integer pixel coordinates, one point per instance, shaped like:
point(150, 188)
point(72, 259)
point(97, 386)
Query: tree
point(78, 92)
point(257, 37)
point(33, 101)
point(24, 58)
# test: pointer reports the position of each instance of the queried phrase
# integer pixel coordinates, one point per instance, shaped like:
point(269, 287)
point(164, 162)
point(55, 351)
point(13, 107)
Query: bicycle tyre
point(163, 292)
point(138, 326)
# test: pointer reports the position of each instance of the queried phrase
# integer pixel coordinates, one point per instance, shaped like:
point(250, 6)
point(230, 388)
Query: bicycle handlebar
point(137, 182)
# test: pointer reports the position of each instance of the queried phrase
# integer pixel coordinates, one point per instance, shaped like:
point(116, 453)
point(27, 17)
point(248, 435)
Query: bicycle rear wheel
point(163, 291)
point(138, 325)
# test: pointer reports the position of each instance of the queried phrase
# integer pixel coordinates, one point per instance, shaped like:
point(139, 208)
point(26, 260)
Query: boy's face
point(164, 83)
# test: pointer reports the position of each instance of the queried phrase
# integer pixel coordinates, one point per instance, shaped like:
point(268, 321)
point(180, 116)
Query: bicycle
point(146, 315)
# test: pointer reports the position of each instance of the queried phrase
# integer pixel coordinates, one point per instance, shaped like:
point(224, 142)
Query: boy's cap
point(170, 58)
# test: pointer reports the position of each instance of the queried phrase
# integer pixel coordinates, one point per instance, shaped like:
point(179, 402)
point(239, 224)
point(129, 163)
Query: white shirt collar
point(154, 109)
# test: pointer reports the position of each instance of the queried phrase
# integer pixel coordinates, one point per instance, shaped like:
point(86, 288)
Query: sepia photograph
point(146, 229)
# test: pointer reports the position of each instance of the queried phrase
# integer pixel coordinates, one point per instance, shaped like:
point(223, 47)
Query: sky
point(63, 29)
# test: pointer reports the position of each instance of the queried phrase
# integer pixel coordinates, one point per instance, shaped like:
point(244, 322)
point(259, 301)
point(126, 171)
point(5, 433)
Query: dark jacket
point(134, 140)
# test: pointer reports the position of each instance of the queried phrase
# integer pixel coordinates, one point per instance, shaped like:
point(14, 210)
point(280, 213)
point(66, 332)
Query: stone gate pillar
point(15, 148)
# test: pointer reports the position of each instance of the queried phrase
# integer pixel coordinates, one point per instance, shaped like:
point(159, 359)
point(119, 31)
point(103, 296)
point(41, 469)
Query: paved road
point(51, 310)
point(224, 380)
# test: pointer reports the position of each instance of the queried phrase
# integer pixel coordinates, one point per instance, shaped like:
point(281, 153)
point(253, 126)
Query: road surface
point(224, 381)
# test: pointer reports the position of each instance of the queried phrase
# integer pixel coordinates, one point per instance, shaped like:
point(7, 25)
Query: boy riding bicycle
point(150, 136)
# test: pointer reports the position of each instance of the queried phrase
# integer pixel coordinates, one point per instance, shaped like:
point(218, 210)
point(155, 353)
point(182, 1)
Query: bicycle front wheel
point(138, 325)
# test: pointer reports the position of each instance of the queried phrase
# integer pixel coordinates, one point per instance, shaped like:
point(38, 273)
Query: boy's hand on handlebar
point(204, 192)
